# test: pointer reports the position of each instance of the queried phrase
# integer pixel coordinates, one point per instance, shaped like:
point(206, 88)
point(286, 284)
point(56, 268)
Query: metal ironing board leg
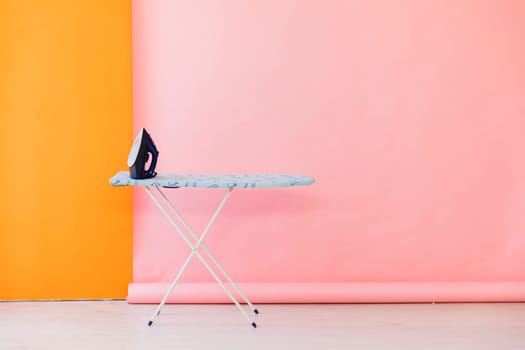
point(208, 253)
point(194, 251)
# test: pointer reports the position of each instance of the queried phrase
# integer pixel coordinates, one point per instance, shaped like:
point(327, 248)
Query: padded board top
point(122, 178)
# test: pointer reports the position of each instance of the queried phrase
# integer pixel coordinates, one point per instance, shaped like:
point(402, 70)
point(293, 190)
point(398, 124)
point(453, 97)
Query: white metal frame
point(165, 207)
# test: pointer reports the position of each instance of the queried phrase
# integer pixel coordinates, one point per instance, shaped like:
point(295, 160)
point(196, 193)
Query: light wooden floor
point(116, 325)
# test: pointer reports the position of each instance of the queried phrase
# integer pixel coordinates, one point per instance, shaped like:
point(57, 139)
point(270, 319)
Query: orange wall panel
point(65, 127)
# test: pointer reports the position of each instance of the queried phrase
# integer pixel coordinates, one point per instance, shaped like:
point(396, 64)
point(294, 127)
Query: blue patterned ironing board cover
point(214, 180)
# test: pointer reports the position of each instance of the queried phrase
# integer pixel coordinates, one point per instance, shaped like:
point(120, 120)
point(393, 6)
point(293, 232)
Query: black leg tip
point(150, 323)
point(254, 325)
point(256, 311)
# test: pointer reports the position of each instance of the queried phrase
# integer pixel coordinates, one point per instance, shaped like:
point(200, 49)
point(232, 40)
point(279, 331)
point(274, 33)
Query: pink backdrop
point(410, 114)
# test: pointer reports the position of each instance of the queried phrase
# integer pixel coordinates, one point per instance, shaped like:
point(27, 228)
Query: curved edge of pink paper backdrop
point(209, 293)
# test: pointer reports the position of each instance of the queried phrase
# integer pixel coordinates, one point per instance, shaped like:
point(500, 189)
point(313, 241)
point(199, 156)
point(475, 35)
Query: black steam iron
point(140, 154)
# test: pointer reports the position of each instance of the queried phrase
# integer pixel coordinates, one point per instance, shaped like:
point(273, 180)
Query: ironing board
point(212, 181)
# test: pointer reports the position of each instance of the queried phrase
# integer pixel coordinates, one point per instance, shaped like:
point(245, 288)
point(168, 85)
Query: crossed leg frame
point(166, 207)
